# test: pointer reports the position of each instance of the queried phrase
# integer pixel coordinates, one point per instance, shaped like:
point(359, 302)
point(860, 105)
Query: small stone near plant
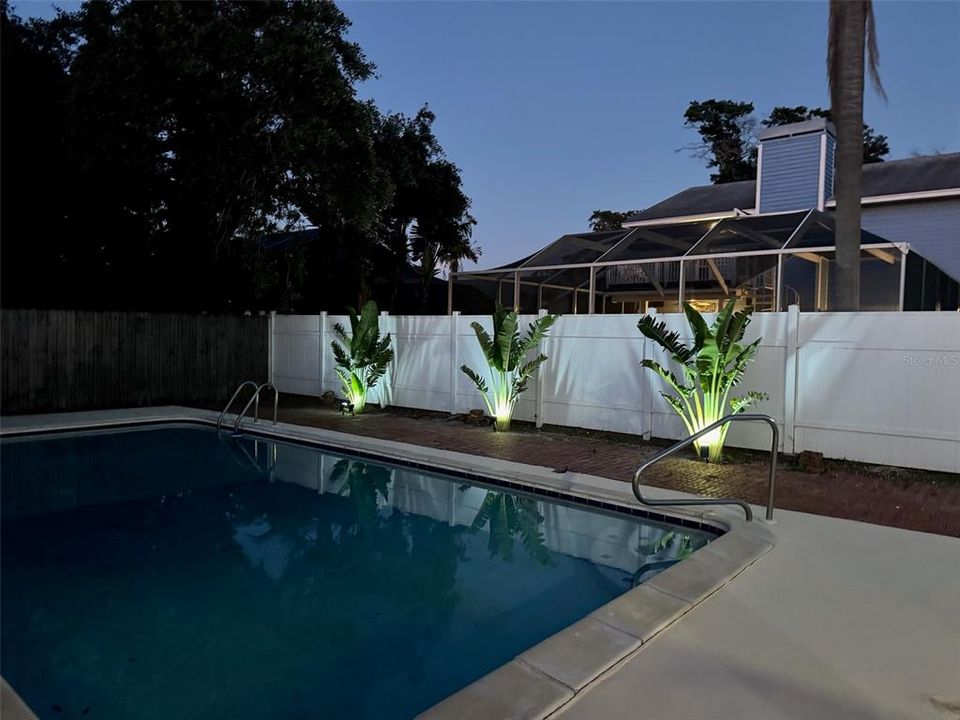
point(328, 398)
point(476, 417)
point(811, 462)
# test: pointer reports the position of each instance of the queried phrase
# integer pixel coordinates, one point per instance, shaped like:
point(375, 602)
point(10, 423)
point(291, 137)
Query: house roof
point(894, 177)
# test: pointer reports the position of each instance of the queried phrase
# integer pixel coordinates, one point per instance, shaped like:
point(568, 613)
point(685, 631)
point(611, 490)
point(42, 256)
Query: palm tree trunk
point(847, 40)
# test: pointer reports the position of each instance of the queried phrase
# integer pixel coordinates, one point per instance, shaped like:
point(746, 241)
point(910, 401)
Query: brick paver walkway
point(929, 502)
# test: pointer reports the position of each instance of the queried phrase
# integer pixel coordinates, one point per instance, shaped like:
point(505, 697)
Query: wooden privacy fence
point(73, 360)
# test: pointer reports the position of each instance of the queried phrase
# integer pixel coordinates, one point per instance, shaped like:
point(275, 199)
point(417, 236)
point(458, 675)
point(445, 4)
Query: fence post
point(384, 386)
point(791, 373)
point(272, 347)
point(648, 419)
point(454, 352)
point(323, 351)
point(538, 411)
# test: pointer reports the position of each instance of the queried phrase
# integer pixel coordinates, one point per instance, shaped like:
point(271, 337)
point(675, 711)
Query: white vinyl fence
point(879, 387)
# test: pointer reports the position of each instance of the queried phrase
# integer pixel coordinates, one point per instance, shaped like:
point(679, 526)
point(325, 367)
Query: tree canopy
point(609, 219)
point(728, 128)
point(154, 151)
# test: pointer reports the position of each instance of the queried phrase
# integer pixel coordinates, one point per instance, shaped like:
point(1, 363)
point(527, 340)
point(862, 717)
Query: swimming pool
point(169, 572)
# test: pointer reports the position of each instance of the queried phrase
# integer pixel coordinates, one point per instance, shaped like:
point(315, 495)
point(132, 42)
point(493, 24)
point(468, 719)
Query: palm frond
point(873, 50)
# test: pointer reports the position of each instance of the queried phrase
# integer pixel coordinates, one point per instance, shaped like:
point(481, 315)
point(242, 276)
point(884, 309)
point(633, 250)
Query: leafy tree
point(506, 354)
point(726, 129)
point(34, 222)
point(875, 146)
point(428, 220)
point(712, 366)
point(216, 123)
point(364, 356)
point(852, 34)
point(182, 134)
point(609, 219)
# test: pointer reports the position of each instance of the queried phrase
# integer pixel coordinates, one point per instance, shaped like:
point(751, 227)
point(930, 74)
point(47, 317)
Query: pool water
point(166, 573)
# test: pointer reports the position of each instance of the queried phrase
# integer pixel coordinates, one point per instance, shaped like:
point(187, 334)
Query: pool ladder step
point(253, 401)
point(771, 479)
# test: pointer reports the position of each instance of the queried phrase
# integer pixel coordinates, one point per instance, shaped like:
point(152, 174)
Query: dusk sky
point(554, 109)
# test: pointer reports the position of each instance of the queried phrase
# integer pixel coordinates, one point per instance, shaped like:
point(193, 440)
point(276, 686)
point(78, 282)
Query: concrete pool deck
point(840, 619)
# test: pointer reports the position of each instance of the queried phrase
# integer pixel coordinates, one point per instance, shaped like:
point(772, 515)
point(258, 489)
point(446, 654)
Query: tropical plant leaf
point(486, 344)
point(672, 380)
point(676, 404)
point(697, 324)
point(716, 363)
point(340, 355)
point(667, 339)
point(478, 380)
point(536, 331)
point(739, 404)
point(507, 339)
point(507, 359)
point(365, 358)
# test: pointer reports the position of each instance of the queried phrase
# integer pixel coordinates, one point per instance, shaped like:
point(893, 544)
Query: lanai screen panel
point(749, 233)
point(576, 248)
point(565, 290)
point(658, 241)
point(819, 230)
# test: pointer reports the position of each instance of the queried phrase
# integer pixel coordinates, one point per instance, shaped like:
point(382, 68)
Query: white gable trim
point(872, 200)
point(905, 197)
point(686, 218)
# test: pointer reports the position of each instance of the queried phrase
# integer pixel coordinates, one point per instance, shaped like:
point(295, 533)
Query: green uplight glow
point(507, 356)
point(712, 441)
point(362, 356)
point(711, 367)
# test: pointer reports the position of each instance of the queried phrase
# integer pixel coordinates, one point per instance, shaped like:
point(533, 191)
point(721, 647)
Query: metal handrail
point(233, 397)
point(774, 447)
point(255, 400)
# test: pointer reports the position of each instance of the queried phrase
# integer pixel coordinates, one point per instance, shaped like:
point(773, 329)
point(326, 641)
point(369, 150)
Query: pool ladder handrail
point(254, 400)
point(749, 417)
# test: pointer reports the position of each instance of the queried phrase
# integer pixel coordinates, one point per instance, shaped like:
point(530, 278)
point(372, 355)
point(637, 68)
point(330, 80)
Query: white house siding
point(932, 228)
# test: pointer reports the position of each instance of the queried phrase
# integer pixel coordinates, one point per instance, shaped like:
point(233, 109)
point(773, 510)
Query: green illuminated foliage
point(364, 356)
point(712, 366)
point(506, 353)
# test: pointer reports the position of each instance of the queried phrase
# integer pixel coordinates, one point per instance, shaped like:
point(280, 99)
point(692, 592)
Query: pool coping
point(550, 674)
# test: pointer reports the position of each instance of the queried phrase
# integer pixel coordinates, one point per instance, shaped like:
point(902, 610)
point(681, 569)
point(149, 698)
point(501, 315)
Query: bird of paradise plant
point(364, 360)
point(506, 353)
point(712, 366)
